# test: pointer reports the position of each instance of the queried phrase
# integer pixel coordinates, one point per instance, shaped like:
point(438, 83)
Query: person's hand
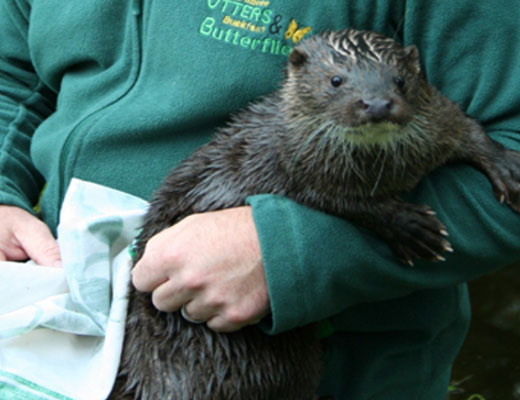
point(211, 264)
point(24, 236)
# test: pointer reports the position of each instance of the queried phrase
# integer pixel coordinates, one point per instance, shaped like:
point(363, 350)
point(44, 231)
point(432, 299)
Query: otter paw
point(505, 179)
point(418, 234)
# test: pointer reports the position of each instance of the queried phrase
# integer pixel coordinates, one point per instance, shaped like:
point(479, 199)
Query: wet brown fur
point(307, 142)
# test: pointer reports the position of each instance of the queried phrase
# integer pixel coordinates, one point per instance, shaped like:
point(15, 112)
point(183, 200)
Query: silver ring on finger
point(186, 316)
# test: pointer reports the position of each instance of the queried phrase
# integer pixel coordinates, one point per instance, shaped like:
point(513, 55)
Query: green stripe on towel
point(13, 387)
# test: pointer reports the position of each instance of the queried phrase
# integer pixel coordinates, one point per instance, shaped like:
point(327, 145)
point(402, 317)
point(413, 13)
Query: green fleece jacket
point(117, 92)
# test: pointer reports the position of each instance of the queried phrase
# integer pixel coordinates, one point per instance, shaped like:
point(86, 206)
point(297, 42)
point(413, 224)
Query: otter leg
point(411, 230)
point(499, 164)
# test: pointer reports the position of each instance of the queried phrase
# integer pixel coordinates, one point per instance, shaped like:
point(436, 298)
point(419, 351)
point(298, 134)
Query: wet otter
point(354, 124)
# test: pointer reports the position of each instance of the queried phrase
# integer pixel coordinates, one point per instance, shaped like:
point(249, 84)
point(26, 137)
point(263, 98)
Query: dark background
point(488, 366)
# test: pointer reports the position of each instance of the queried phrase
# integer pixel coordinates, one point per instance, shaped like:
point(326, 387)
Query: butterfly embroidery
point(295, 33)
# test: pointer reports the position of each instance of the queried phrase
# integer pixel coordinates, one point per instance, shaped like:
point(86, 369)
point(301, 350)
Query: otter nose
point(376, 108)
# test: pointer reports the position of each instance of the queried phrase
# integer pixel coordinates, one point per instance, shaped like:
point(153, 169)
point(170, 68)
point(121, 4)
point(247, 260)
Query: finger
point(223, 325)
point(188, 317)
point(39, 243)
point(10, 248)
point(149, 272)
point(47, 253)
point(12, 253)
point(169, 297)
point(233, 319)
point(146, 278)
point(199, 310)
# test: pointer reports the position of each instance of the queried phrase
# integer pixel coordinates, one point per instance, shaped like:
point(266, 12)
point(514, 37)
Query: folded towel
point(61, 330)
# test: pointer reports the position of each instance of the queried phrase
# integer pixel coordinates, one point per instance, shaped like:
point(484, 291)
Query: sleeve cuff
point(281, 263)
point(7, 199)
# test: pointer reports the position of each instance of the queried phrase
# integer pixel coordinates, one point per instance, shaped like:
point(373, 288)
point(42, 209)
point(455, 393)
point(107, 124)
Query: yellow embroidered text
point(247, 26)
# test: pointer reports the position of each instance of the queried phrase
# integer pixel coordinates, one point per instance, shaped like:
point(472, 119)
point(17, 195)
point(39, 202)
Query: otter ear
point(412, 57)
point(298, 58)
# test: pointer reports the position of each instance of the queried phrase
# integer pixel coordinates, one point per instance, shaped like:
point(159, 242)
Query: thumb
point(39, 244)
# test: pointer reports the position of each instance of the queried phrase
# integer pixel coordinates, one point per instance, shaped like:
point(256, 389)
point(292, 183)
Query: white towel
point(61, 330)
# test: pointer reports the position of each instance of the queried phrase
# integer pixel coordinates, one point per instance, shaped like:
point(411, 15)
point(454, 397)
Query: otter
point(354, 124)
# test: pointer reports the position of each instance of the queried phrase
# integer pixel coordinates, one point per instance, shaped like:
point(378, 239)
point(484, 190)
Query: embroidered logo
point(252, 25)
point(294, 33)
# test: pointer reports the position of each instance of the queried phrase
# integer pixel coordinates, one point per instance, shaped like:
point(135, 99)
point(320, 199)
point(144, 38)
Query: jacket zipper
point(65, 169)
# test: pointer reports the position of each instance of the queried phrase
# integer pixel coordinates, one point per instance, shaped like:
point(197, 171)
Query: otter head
point(365, 85)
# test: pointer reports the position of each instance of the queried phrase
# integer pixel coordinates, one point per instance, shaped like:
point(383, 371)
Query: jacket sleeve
point(24, 103)
point(318, 265)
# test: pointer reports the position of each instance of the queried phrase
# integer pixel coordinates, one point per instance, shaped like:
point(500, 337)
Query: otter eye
point(399, 81)
point(336, 81)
